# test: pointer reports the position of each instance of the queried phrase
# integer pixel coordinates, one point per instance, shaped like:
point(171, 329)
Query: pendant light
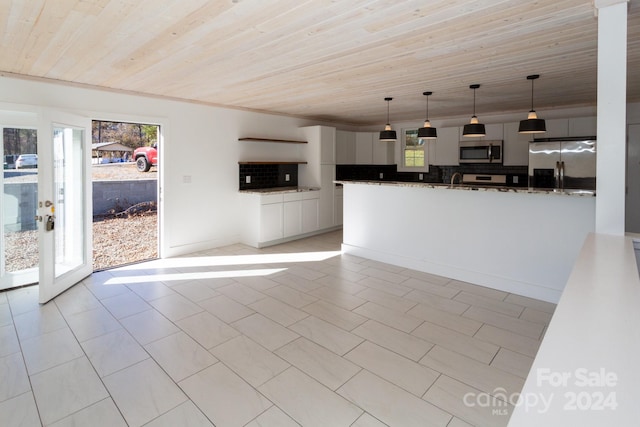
point(387, 134)
point(474, 128)
point(532, 124)
point(427, 132)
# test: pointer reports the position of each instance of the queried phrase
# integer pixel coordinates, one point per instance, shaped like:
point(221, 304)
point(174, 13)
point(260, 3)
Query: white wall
point(199, 142)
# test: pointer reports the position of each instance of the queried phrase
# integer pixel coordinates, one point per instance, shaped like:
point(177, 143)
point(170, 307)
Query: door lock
point(50, 223)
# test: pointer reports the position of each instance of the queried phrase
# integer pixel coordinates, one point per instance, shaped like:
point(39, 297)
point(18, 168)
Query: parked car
point(10, 161)
point(145, 157)
point(27, 161)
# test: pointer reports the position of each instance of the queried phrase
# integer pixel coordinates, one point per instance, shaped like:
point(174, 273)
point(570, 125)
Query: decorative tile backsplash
point(267, 176)
point(436, 174)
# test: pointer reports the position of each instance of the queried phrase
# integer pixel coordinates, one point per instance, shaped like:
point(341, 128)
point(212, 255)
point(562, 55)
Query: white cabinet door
point(327, 145)
point(292, 214)
point(271, 222)
point(383, 152)
point(493, 131)
point(583, 126)
point(345, 147)
point(446, 147)
point(310, 215)
point(516, 145)
point(325, 208)
point(364, 148)
point(556, 128)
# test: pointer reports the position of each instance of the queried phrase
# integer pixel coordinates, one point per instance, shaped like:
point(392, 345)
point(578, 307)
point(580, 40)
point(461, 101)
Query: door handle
point(556, 174)
point(562, 175)
point(50, 223)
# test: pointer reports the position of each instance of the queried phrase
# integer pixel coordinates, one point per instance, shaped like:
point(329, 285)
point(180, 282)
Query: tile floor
point(290, 335)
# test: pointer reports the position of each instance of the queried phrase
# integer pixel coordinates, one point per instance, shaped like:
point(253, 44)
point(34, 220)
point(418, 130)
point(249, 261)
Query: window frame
point(400, 149)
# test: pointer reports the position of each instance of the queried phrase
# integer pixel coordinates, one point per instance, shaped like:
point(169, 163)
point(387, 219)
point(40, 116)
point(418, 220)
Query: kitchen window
point(412, 152)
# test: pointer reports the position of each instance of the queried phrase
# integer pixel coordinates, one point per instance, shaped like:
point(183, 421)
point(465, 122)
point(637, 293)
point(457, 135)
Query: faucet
point(453, 178)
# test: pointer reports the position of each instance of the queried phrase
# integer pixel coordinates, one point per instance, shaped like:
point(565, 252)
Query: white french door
point(64, 211)
point(46, 206)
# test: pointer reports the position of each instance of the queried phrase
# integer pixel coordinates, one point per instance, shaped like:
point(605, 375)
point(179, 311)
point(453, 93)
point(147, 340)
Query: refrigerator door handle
point(562, 175)
point(556, 174)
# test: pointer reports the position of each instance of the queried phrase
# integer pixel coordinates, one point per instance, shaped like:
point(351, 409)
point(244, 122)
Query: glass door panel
point(64, 208)
point(68, 213)
point(19, 256)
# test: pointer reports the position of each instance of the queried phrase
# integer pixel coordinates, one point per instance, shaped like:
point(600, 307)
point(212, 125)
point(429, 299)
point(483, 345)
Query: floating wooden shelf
point(271, 163)
point(285, 141)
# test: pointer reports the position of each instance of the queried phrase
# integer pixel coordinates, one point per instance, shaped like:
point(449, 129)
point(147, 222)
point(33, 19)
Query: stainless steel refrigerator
point(563, 163)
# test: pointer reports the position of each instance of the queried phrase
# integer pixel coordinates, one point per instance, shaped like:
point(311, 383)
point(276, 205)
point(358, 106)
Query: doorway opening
point(124, 170)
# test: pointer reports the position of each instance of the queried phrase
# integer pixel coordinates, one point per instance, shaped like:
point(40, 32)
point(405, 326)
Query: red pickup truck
point(145, 157)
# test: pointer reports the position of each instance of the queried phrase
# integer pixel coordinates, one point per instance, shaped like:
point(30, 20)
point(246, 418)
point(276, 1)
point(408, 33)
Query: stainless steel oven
point(480, 151)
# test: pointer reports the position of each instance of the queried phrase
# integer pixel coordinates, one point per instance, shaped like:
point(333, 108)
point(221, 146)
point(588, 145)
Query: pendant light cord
point(388, 122)
point(427, 107)
point(532, 80)
point(474, 101)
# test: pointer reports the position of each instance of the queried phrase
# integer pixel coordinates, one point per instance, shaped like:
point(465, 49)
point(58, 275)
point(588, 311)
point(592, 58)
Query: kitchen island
point(518, 240)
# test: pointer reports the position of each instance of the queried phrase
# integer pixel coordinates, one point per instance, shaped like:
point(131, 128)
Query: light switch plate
point(287, 177)
point(247, 179)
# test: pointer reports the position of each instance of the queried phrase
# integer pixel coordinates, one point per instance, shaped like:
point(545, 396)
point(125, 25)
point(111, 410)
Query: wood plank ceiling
point(329, 60)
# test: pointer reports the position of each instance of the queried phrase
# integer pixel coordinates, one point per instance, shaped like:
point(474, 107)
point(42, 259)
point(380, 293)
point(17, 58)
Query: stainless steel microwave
point(480, 151)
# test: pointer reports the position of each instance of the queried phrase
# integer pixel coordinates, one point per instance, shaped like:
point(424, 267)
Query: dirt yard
point(117, 240)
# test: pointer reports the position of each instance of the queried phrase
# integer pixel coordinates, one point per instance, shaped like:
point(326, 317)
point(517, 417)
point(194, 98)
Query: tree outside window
point(414, 149)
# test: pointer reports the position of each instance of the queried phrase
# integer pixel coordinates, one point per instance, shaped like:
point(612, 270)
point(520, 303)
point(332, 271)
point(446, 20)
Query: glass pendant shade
point(474, 128)
point(532, 124)
point(427, 132)
point(388, 135)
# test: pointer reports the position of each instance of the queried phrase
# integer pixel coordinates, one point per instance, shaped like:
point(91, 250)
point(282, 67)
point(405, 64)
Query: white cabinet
point(556, 128)
point(371, 151)
point(583, 126)
point(364, 148)
point(446, 147)
point(516, 145)
point(345, 147)
point(326, 196)
point(383, 152)
point(292, 214)
point(310, 214)
point(327, 145)
point(494, 131)
point(271, 219)
point(274, 218)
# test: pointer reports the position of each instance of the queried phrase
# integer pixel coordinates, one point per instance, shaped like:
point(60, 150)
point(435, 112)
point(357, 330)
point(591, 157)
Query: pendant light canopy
point(387, 134)
point(474, 128)
point(532, 124)
point(427, 132)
